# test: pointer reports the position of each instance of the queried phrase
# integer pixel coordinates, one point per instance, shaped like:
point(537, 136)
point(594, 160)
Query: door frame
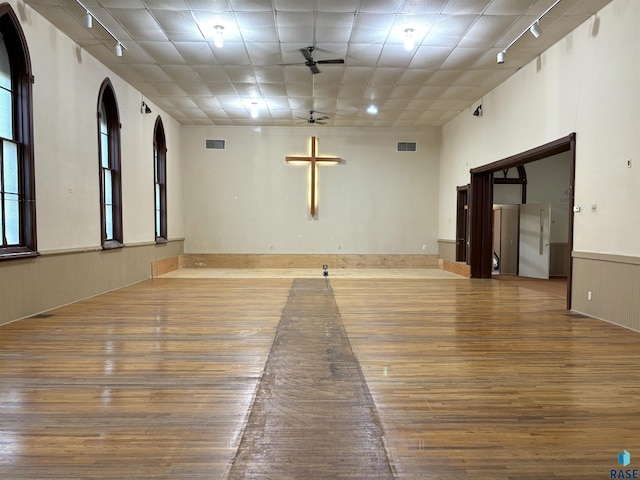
point(481, 204)
point(462, 224)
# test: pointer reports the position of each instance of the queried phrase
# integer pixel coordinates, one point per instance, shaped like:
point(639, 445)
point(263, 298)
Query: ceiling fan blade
point(320, 123)
point(335, 60)
point(322, 118)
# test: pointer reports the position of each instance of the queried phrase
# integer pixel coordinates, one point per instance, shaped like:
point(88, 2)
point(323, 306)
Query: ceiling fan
point(311, 119)
point(307, 53)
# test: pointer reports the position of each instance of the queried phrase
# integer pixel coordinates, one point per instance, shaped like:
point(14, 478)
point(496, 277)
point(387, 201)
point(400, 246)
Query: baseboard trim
point(230, 260)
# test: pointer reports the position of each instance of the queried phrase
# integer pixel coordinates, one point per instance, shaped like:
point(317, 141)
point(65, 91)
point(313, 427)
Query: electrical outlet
point(424, 247)
point(594, 208)
point(589, 295)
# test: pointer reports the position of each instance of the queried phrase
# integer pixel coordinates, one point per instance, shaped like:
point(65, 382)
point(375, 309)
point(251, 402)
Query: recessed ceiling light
point(372, 110)
point(409, 41)
point(254, 110)
point(218, 36)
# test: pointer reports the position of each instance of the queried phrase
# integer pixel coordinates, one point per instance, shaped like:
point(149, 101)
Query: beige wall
point(247, 199)
point(65, 95)
point(586, 83)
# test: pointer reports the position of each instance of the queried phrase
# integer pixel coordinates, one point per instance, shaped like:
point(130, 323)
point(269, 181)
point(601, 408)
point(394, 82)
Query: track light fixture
point(88, 23)
point(534, 28)
point(478, 111)
point(144, 108)
point(218, 36)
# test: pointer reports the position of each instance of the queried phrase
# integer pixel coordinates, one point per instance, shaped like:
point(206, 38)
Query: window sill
point(16, 253)
point(112, 245)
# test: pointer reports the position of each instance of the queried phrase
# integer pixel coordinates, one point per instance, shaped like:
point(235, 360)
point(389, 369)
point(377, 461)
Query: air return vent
point(406, 147)
point(216, 144)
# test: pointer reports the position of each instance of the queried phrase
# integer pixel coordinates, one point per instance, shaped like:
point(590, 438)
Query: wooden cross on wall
point(314, 160)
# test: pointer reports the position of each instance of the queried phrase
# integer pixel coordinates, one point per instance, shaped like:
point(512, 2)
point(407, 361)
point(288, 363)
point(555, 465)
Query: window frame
point(107, 97)
point(22, 102)
point(160, 181)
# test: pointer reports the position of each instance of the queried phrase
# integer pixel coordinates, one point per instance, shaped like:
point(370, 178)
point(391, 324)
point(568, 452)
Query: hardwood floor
point(474, 379)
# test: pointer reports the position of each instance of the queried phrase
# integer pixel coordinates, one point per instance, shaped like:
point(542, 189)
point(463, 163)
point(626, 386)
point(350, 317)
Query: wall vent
point(406, 147)
point(216, 144)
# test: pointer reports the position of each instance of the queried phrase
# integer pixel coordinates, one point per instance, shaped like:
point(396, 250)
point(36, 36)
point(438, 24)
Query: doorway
point(481, 257)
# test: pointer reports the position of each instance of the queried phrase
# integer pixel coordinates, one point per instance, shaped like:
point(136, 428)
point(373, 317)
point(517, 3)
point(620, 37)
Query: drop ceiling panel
point(363, 54)
point(460, 7)
point(264, 53)
point(337, 5)
point(251, 5)
point(171, 57)
point(380, 6)
point(163, 53)
point(179, 26)
point(294, 5)
point(139, 23)
point(395, 56)
point(232, 54)
point(167, 4)
point(416, 7)
point(486, 31)
point(196, 53)
point(181, 73)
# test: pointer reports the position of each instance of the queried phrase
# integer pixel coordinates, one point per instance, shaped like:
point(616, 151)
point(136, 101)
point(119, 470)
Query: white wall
point(586, 83)
point(547, 182)
point(247, 199)
point(65, 95)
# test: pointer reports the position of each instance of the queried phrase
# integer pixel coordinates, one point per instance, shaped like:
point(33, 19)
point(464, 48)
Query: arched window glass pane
point(104, 138)
point(108, 217)
point(160, 174)
point(17, 180)
point(10, 163)
point(12, 214)
point(5, 66)
point(6, 93)
point(11, 192)
point(110, 181)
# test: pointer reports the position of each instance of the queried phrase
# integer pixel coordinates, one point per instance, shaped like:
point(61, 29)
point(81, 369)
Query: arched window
point(109, 152)
point(160, 180)
point(17, 180)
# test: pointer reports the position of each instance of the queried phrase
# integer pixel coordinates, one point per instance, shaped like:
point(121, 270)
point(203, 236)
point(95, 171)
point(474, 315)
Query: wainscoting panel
point(447, 250)
point(34, 285)
point(227, 260)
point(614, 283)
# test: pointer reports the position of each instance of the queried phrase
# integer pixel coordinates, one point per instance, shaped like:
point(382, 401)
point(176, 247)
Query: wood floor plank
point(313, 416)
point(150, 381)
point(484, 380)
point(472, 379)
